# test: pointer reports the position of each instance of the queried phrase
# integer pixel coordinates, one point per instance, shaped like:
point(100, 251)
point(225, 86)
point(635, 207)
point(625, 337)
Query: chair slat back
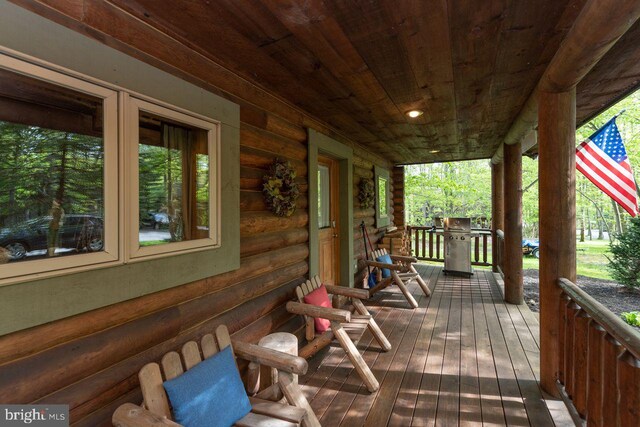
point(191, 354)
point(301, 291)
point(209, 346)
point(151, 375)
point(155, 398)
point(171, 365)
point(378, 253)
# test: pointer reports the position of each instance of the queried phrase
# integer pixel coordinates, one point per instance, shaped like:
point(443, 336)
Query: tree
point(625, 262)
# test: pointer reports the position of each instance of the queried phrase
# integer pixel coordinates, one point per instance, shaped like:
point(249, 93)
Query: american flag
point(603, 160)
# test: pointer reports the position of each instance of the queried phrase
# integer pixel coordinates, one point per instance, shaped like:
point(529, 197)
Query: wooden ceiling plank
point(475, 35)
point(426, 37)
point(522, 60)
point(605, 83)
point(314, 26)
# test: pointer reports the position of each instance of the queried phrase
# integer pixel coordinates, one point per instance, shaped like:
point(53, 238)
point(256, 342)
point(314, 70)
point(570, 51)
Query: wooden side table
point(279, 341)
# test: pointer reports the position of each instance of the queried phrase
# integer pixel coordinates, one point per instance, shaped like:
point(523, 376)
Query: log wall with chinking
point(90, 361)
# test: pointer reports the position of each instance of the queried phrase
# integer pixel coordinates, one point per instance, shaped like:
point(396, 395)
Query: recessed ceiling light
point(415, 113)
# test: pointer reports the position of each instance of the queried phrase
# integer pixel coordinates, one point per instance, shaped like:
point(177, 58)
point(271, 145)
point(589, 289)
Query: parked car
point(531, 247)
point(76, 232)
point(155, 220)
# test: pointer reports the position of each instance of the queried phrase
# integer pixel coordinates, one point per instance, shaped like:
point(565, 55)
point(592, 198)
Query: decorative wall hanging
point(280, 188)
point(366, 193)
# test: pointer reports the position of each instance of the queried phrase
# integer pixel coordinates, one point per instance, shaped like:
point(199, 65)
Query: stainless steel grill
point(457, 246)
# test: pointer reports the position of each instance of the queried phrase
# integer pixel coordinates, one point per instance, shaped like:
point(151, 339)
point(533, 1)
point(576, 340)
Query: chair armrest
point(383, 265)
point(272, 358)
point(335, 314)
point(347, 292)
point(130, 415)
point(403, 258)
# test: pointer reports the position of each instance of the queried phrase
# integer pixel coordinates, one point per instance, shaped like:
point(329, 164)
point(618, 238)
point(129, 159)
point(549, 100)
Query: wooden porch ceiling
point(360, 65)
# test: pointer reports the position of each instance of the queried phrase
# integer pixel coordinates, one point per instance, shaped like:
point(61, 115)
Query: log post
point(512, 257)
point(497, 209)
point(556, 141)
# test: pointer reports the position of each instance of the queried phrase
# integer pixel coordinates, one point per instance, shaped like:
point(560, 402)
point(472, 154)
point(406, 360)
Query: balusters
point(628, 390)
point(430, 245)
point(594, 375)
point(580, 350)
point(610, 351)
point(570, 311)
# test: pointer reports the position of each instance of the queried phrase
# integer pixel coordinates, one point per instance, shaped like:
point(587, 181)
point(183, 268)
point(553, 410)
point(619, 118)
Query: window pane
point(382, 196)
point(323, 197)
point(51, 170)
point(173, 181)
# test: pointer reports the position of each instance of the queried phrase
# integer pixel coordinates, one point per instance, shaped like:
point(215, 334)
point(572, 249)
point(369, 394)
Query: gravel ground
point(609, 293)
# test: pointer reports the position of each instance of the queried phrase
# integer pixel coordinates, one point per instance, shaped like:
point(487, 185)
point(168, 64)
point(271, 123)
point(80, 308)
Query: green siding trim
point(344, 154)
point(380, 172)
point(35, 302)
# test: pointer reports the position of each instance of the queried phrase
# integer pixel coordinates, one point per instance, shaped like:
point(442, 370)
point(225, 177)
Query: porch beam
point(497, 209)
point(512, 259)
point(598, 27)
point(557, 180)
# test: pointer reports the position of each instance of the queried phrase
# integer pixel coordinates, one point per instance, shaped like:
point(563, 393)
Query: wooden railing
point(428, 245)
point(599, 362)
point(500, 251)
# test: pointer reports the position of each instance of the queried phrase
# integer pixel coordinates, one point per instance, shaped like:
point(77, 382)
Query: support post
point(512, 259)
point(497, 209)
point(557, 166)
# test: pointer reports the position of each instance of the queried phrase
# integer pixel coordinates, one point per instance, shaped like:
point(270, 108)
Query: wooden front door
point(328, 226)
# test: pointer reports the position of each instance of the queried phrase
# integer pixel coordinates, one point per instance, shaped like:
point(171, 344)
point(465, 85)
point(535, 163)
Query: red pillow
point(320, 298)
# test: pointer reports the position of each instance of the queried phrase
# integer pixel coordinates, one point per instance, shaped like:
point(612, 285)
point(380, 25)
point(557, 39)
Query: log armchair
point(156, 410)
point(400, 272)
point(345, 327)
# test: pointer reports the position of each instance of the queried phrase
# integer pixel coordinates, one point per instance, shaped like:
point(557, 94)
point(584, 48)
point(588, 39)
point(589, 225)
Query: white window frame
point(133, 107)
point(26, 270)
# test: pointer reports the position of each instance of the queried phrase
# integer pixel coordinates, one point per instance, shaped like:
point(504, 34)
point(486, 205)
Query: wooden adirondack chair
point(346, 327)
point(402, 272)
point(155, 410)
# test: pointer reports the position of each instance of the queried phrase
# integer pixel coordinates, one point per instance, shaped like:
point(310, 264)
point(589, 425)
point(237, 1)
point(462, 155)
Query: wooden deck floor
point(463, 357)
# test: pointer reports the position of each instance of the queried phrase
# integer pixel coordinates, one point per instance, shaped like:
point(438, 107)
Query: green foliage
point(280, 188)
point(631, 317)
point(625, 262)
point(447, 189)
point(39, 165)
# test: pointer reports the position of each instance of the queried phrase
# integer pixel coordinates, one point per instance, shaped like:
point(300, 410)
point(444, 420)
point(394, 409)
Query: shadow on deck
point(463, 357)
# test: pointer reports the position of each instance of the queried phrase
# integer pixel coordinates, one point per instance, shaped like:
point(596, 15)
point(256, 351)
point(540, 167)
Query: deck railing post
point(556, 143)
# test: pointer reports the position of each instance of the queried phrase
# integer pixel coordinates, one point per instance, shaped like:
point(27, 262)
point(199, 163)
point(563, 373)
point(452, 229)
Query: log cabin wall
point(90, 361)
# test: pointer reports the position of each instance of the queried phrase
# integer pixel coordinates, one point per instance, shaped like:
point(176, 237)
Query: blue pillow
point(385, 259)
point(209, 394)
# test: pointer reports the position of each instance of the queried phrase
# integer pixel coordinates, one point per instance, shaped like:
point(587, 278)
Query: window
point(324, 208)
point(382, 196)
point(174, 187)
point(58, 142)
point(59, 175)
point(381, 179)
